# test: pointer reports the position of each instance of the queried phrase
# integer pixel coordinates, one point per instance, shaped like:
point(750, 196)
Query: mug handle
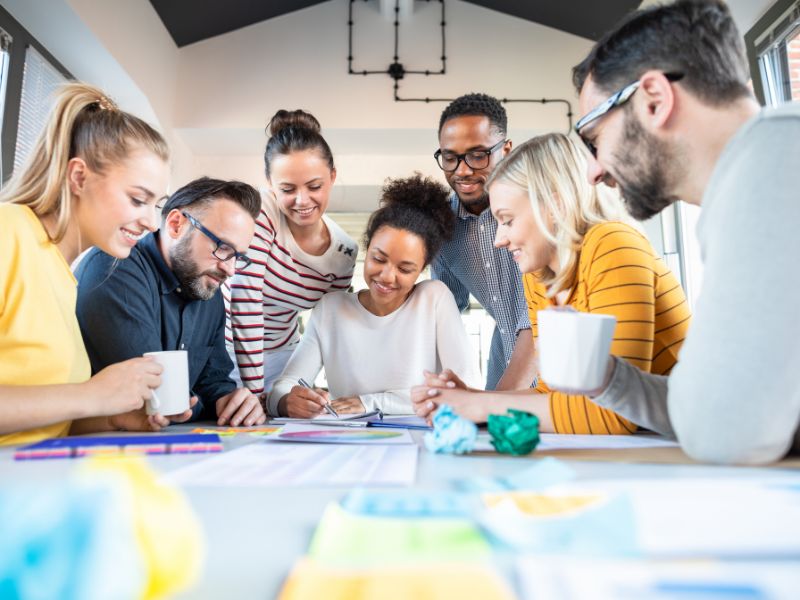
point(155, 403)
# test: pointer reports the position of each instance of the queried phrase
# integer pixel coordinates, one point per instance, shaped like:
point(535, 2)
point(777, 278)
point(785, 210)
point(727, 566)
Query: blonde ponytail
point(83, 123)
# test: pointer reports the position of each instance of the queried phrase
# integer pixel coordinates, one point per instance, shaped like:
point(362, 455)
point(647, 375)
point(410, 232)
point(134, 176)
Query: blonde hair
point(551, 169)
point(83, 123)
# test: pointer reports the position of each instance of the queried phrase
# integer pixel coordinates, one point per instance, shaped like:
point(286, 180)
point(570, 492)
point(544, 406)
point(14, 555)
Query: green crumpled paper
point(516, 432)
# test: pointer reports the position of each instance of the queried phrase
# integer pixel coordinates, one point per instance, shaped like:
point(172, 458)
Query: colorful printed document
point(230, 431)
point(348, 539)
point(153, 443)
point(324, 434)
point(266, 464)
point(311, 580)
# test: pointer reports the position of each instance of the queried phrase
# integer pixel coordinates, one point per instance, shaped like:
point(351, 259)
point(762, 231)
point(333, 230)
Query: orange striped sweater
point(618, 274)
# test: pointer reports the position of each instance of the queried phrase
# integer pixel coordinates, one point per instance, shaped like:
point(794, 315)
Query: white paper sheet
point(562, 441)
point(267, 464)
point(725, 517)
point(578, 579)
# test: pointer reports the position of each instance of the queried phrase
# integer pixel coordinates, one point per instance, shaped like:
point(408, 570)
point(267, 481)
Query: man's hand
point(139, 420)
point(240, 407)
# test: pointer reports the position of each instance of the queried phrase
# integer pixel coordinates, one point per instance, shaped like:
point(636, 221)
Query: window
point(29, 75)
point(39, 80)
point(773, 51)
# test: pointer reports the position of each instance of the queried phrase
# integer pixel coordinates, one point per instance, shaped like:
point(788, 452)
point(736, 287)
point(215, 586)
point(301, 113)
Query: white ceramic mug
point(172, 396)
point(574, 348)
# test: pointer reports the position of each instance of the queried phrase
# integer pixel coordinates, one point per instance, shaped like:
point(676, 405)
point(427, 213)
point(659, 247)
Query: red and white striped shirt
point(263, 302)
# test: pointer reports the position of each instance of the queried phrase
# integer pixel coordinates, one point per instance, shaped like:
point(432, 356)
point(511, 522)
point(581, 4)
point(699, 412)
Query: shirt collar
point(461, 212)
point(166, 278)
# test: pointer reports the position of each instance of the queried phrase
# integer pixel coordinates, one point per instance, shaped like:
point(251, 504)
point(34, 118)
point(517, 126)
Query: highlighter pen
point(327, 406)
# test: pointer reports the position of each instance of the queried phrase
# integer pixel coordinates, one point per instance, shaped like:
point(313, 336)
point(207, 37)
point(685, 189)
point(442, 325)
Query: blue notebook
point(76, 447)
point(400, 422)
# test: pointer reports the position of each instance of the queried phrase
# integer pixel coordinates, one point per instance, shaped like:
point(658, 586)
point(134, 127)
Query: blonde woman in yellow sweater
point(575, 247)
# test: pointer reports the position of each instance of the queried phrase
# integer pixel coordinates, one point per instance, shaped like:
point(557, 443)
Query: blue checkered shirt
point(470, 264)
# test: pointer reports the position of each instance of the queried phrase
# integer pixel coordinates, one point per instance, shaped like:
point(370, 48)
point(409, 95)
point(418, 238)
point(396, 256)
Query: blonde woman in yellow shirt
point(576, 248)
point(93, 178)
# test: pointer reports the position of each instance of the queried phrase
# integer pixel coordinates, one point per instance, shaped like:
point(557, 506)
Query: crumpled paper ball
point(451, 433)
point(516, 432)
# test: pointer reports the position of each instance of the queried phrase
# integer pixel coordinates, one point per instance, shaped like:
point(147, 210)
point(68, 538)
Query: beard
point(476, 204)
point(188, 273)
point(646, 178)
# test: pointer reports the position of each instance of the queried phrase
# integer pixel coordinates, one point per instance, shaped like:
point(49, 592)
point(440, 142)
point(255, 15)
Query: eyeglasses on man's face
point(475, 159)
point(617, 99)
point(222, 251)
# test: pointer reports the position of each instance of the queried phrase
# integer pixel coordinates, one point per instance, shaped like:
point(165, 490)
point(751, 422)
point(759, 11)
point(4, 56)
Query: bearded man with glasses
point(166, 296)
point(472, 140)
point(669, 116)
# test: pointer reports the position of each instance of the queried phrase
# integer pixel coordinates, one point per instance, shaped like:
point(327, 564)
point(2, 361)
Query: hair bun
point(299, 119)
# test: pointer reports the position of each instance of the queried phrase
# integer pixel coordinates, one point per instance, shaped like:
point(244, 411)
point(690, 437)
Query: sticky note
point(344, 538)
point(310, 580)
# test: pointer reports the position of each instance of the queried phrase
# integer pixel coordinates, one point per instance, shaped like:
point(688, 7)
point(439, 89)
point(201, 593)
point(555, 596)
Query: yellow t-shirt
point(40, 341)
point(618, 274)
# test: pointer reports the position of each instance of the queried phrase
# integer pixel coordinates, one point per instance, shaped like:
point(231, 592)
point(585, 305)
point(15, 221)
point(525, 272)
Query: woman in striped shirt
point(575, 248)
point(298, 254)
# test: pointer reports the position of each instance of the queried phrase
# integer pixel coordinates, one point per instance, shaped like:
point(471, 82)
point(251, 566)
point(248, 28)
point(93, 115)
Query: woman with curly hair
point(375, 343)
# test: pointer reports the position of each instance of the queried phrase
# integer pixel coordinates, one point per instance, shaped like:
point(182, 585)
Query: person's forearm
point(91, 425)
point(521, 370)
point(637, 396)
point(28, 407)
point(498, 403)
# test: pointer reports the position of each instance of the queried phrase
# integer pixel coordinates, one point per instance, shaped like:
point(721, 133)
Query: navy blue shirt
point(132, 306)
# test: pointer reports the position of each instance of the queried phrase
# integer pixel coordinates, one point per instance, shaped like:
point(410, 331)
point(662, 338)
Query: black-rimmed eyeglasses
point(223, 251)
point(617, 99)
point(475, 159)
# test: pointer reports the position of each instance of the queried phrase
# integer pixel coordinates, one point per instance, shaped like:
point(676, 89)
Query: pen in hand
point(326, 406)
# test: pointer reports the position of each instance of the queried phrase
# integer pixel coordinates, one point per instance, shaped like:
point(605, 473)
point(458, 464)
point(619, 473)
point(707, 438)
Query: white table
point(255, 534)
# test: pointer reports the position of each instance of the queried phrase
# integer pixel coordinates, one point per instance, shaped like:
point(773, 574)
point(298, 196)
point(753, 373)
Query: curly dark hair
point(294, 131)
point(696, 38)
point(477, 105)
point(418, 205)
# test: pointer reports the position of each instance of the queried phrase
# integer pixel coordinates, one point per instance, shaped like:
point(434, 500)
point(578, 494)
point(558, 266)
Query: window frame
point(773, 27)
point(21, 39)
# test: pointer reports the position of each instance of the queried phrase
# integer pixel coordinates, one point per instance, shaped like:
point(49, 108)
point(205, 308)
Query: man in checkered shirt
point(472, 140)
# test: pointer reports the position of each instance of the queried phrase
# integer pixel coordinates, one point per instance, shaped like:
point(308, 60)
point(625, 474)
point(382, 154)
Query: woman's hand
point(348, 405)
point(123, 387)
point(464, 402)
point(303, 403)
point(445, 379)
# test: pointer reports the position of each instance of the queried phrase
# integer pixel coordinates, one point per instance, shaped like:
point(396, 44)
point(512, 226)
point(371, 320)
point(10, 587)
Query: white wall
point(122, 47)
point(230, 85)
point(212, 99)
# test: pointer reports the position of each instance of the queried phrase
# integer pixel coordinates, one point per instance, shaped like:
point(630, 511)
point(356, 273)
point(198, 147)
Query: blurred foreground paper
point(344, 538)
point(113, 531)
point(576, 579)
point(311, 580)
